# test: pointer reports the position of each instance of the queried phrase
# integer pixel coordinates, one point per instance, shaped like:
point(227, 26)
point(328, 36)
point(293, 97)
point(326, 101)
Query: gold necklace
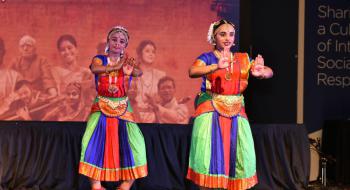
point(228, 74)
point(113, 77)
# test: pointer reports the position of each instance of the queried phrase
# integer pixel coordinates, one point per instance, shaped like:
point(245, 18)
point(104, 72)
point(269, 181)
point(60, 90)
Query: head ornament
point(213, 27)
point(115, 29)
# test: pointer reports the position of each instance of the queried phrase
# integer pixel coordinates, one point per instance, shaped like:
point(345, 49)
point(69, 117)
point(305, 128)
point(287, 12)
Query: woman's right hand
point(224, 59)
point(127, 69)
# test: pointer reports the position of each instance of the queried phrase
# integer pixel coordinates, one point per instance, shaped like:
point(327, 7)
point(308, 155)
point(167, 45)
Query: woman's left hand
point(258, 68)
point(127, 69)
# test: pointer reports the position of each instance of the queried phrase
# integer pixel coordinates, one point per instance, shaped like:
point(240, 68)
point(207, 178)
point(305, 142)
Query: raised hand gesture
point(259, 67)
point(128, 66)
point(224, 59)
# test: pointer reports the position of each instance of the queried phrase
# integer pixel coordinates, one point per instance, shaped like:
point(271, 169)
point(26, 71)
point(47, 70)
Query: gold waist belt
point(227, 105)
point(112, 108)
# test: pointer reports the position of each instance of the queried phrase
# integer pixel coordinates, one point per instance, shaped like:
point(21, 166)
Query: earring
point(213, 41)
point(107, 48)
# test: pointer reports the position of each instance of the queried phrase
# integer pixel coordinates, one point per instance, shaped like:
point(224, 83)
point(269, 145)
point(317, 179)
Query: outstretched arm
point(198, 71)
point(97, 69)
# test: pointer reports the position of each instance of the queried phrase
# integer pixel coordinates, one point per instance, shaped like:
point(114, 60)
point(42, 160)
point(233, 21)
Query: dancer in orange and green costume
point(222, 152)
point(113, 147)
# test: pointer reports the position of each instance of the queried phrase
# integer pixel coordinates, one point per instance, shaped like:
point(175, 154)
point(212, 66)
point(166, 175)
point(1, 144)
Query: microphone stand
point(324, 159)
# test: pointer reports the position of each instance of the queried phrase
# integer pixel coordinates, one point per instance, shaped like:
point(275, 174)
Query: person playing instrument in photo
point(71, 108)
point(222, 152)
point(113, 147)
point(23, 103)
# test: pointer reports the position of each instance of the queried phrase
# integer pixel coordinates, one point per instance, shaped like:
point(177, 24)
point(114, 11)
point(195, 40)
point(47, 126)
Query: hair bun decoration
point(210, 37)
point(116, 28)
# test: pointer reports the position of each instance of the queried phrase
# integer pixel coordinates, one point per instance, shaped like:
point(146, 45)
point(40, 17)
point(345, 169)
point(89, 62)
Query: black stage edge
point(45, 155)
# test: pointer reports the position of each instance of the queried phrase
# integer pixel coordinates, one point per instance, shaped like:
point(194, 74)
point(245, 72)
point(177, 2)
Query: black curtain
point(335, 146)
point(35, 155)
point(283, 156)
point(270, 28)
point(45, 155)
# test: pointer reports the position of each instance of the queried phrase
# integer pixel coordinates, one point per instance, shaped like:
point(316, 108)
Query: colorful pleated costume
point(222, 149)
point(113, 146)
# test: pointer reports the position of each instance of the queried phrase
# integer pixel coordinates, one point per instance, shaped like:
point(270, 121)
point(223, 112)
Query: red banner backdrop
point(177, 28)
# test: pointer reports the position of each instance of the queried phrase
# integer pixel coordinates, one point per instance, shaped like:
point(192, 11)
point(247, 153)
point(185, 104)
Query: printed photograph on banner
point(46, 48)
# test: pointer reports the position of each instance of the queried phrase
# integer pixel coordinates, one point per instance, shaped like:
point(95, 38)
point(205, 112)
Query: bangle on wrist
point(212, 69)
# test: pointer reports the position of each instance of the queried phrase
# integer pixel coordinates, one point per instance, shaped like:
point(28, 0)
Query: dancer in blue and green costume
point(222, 152)
point(113, 147)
